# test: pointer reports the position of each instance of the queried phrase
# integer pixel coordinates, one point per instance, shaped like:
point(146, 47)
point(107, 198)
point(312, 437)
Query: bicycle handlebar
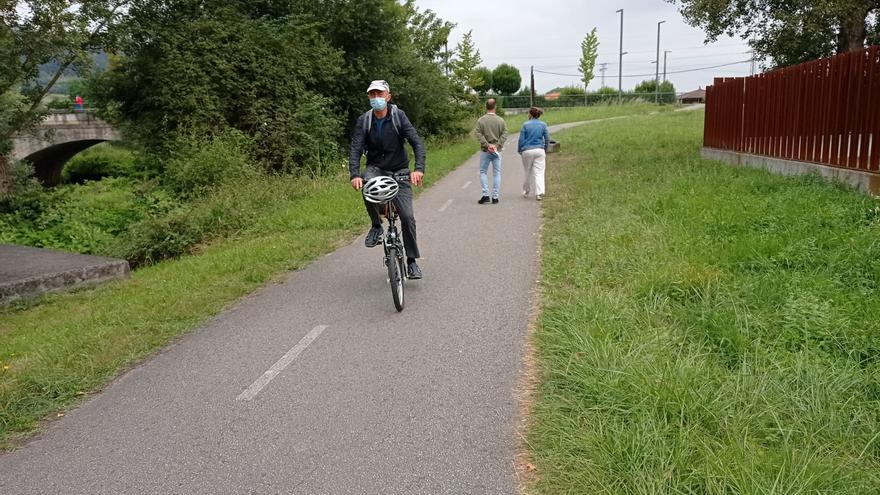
point(402, 176)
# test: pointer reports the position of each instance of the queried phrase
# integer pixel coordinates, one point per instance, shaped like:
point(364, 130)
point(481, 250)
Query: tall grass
point(705, 329)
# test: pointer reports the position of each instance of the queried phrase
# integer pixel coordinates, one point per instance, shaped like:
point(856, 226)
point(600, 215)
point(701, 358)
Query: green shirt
point(491, 129)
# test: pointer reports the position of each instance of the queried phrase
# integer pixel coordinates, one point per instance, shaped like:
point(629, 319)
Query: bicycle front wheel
point(396, 277)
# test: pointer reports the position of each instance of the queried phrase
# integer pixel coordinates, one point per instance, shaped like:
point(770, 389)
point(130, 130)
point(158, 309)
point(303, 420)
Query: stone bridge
point(57, 139)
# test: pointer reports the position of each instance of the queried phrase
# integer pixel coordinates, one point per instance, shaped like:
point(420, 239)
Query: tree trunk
point(5, 180)
point(853, 30)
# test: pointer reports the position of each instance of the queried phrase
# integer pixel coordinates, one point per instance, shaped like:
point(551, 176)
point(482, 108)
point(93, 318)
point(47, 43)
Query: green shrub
point(154, 239)
point(86, 218)
point(83, 218)
point(26, 194)
point(103, 160)
point(227, 208)
point(198, 163)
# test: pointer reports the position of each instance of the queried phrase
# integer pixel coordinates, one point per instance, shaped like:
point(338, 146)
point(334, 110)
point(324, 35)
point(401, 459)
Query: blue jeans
point(495, 159)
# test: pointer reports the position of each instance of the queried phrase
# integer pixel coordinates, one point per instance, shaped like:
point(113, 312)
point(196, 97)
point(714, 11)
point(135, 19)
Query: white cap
point(380, 85)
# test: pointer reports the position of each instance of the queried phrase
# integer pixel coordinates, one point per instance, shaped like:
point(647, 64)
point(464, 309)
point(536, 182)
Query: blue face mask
point(378, 104)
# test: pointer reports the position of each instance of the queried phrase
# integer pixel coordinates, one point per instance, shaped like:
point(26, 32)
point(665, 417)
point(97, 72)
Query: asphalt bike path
point(316, 385)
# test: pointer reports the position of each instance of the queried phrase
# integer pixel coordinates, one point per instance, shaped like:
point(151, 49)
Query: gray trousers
point(403, 201)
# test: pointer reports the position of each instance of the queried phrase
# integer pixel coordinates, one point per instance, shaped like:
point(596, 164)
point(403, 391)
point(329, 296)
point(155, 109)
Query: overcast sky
point(548, 33)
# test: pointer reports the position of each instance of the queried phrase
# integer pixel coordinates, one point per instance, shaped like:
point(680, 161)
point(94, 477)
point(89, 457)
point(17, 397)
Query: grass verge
point(705, 329)
point(63, 346)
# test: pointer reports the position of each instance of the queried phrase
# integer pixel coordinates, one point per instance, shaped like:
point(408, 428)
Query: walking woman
point(533, 140)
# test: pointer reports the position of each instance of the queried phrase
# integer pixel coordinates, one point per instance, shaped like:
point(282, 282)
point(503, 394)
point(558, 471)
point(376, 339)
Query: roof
point(697, 93)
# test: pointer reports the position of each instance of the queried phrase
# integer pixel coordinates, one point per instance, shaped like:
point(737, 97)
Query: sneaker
point(413, 271)
point(494, 201)
point(374, 236)
point(525, 193)
point(483, 200)
point(539, 197)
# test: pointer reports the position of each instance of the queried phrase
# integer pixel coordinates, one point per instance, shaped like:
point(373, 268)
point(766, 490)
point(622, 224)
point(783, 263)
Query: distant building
point(553, 95)
point(696, 96)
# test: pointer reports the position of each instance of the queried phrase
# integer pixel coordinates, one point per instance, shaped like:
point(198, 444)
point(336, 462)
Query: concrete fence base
point(863, 181)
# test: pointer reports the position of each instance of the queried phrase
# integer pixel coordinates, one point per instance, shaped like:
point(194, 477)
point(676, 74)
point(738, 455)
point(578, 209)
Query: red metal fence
point(826, 111)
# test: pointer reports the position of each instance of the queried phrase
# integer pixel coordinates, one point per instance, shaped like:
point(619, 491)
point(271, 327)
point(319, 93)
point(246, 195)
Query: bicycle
point(382, 190)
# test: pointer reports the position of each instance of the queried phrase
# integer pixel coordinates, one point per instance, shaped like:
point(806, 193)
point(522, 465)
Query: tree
point(194, 66)
point(589, 51)
point(485, 76)
point(428, 32)
point(571, 91)
point(506, 79)
point(467, 58)
point(33, 34)
point(788, 32)
point(291, 76)
point(648, 87)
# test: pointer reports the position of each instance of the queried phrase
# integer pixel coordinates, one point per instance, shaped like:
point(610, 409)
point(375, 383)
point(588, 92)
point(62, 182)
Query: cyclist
point(380, 134)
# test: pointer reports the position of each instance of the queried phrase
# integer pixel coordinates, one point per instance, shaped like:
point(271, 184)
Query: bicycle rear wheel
point(396, 277)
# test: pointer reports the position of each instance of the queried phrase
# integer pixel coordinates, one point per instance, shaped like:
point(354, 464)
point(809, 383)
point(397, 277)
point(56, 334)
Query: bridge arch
point(57, 140)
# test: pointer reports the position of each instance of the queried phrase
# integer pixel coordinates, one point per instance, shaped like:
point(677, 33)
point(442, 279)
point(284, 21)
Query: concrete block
point(863, 181)
point(27, 271)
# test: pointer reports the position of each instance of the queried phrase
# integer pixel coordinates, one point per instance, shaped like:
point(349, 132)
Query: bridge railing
point(65, 118)
point(71, 109)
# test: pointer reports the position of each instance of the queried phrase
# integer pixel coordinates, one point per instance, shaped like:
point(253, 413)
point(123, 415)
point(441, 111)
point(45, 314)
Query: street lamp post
point(620, 63)
point(657, 73)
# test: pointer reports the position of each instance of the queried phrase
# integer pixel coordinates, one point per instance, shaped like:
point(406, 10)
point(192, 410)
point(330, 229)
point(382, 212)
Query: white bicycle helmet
point(380, 189)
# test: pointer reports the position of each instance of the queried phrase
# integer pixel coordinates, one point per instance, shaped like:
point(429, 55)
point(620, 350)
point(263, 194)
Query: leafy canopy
point(791, 31)
point(589, 51)
point(37, 32)
point(467, 59)
point(506, 79)
point(648, 87)
point(485, 77)
point(290, 75)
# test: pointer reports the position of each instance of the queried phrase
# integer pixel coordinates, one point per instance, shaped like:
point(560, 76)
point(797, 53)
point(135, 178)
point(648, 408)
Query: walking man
point(491, 130)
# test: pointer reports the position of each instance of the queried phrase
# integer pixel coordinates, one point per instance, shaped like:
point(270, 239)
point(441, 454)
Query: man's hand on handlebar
point(357, 183)
point(416, 177)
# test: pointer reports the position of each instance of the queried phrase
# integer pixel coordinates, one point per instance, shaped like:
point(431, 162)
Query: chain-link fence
point(561, 101)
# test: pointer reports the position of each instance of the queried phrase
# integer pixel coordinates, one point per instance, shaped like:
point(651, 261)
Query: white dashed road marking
point(282, 363)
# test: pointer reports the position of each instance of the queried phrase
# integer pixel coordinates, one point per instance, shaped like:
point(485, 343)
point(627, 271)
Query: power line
point(645, 75)
point(683, 49)
point(545, 57)
point(698, 69)
point(614, 64)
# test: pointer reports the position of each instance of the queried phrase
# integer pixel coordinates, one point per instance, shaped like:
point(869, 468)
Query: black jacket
point(385, 151)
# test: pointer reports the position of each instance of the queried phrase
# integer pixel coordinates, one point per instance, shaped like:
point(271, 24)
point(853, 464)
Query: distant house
point(696, 96)
point(552, 95)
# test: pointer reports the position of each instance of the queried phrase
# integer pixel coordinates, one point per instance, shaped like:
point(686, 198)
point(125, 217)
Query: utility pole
point(603, 67)
point(752, 53)
point(532, 88)
point(620, 63)
point(657, 68)
point(665, 52)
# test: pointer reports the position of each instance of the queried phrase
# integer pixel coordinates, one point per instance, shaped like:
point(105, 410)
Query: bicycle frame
point(392, 244)
point(392, 235)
